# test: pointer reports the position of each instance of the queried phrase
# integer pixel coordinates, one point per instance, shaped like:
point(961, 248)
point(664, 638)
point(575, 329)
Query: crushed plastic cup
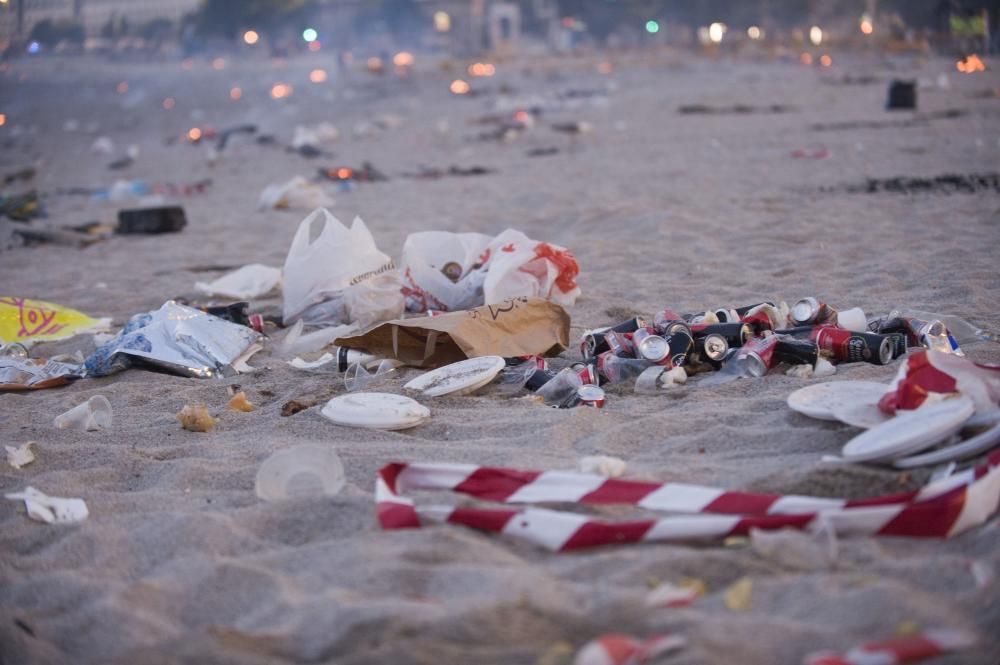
point(305, 470)
point(853, 319)
point(94, 414)
point(561, 390)
point(357, 377)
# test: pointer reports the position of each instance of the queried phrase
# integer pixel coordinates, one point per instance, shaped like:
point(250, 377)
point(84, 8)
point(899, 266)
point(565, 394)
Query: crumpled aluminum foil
point(180, 339)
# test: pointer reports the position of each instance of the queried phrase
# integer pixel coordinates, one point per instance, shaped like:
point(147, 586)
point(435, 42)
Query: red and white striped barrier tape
point(903, 649)
point(938, 510)
point(615, 649)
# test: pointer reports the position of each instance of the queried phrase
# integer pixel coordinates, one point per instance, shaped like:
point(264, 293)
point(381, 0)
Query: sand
point(180, 562)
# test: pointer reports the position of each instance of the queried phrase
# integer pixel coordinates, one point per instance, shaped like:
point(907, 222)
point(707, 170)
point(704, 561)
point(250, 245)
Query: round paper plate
point(910, 432)
point(819, 399)
point(461, 377)
point(305, 470)
point(964, 449)
point(860, 414)
point(376, 411)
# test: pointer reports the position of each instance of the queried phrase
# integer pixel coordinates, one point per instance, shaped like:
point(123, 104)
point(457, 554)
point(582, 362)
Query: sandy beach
point(180, 561)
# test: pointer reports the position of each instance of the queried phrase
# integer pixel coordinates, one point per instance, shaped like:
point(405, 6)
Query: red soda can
point(809, 310)
point(848, 346)
point(759, 321)
point(594, 342)
point(587, 372)
point(590, 395)
point(759, 354)
point(620, 343)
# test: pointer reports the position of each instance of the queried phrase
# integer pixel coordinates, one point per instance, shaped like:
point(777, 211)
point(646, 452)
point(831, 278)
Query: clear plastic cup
point(358, 378)
point(305, 470)
point(94, 414)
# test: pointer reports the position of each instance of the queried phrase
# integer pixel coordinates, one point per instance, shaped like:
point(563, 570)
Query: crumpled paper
point(21, 455)
point(50, 509)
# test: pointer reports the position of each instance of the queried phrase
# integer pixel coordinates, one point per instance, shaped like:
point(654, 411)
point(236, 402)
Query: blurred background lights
point(442, 21)
point(753, 32)
point(867, 27)
point(317, 75)
point(652, 27)
point(280, 90)
point(716, 32)
point(251, 37)
point(815, 35)
point(459, 87)
point(402, 59)
point(310, 35)
point(235, 94)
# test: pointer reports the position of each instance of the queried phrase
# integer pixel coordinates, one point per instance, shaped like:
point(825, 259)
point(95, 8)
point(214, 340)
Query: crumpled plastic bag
point(180, 339)
point(453, 271)
point(334, 275)
point(50, 509)
point(250, 281)
point(443, 271)
point(297, 193)
point(28, 321)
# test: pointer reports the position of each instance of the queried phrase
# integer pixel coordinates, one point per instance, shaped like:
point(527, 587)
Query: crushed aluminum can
point(809, 310)
point(620, 343)
point(847, 346)
point(712, 348)
point(594, 342)
point(590, 395)
point(180, 339)
point(651, 346)
point(736, 333)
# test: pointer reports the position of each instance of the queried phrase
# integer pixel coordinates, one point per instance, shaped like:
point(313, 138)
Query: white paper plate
point(860, 414)
point(819, 399)
point(910, 432)
point(305, 470)
point(968, 448)
point(375, 410)
point(461, 377)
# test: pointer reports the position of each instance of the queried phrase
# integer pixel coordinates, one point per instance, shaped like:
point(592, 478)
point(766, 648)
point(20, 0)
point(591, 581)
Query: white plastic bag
point(330, 275)
point(519, 266)
point(251, 281)
point(296, 193)
point(443, 270)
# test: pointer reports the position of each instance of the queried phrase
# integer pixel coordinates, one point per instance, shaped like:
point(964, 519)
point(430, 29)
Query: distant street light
point(652, 27)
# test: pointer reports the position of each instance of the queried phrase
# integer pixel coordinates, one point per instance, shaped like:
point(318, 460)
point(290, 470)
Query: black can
point(238, 312)
point(796, 351)
point(594, 343)
point(736, 334)
point(681, 345)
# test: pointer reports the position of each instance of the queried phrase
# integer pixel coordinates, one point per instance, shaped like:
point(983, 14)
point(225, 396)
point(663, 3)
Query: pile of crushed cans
point(738, 342)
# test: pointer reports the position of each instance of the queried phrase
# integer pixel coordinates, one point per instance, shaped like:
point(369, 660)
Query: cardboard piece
point(515, 327)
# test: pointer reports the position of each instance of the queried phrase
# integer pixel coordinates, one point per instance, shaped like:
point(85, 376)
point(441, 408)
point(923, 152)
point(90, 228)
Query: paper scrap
point(21, 455)
point(605, 465)
point(50, 509)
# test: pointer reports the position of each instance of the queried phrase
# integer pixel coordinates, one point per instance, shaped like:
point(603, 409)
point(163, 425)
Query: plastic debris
point(196, 418)
point(21, 455)
point(617, 649)
point(50, 509)
point(250, 281)
point(305, 470)
point(670, 595)
point(297, 193)
point(181, 339)
point(897, 650)
point(94, 414)
point(604, 465)
point(28, 321)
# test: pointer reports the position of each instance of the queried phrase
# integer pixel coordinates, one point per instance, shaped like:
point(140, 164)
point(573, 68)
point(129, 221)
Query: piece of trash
point(180, 339)
point(949, 183)
point(448, 271)
point(463, 377)
point(94, 414)
point(796, 549)
point(291, 407)
point(902, 96)
point(196, 418)
point(103, 145)
point(657, 378)
point(375, 411)
point(50, 509)
point(23, 373)
point(358, 377)
point(669, 595)
point(616, 649)
point(517, 327)
point(820, 400)
point(982, 573)
point(910, 432)
point(315, 136)
point(335, 275)
point(305, 470)
point(297, 193)
point(901, 649)
point(151, 221)
point(736, 109)
point(604, 465)
point(295, 342)
point(737, 597)
point(28, 321)
point(367, 173)
point(250, 281)
point(239, 403)
point(428, 173)
point(21, 455)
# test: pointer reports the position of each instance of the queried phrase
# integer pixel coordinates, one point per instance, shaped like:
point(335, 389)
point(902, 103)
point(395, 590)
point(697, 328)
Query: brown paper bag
point(516, 327)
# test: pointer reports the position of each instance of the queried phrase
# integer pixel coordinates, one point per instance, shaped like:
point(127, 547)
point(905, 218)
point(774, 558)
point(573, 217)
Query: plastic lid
point(375, 410)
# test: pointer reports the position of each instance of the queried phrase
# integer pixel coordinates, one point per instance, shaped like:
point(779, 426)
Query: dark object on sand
point(916, 120)
point(948, 183)
point(367, 173)
point(427, 173)
point(26, 173)
point(226, 133)
point(310, 151)
point(902, 96)
point(166, 219)
point(21, 207)
point(68, 238)
point(542, 152)
point(121, 163)
point(736, 109)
